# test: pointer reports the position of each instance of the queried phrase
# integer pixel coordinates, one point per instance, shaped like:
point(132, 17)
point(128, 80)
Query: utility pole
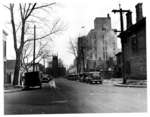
point(44, 64)
point(121, 11)
point(34, 49)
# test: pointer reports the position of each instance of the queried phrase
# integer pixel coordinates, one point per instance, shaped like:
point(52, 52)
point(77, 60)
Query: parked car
point(83, 77)
point(32, 79)
point(94, 77)
point(88, 78)
point(72, 77)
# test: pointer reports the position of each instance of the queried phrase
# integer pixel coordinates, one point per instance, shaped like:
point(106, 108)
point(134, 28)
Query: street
point(76, 97)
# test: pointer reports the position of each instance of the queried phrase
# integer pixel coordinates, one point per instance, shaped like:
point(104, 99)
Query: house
point(4, 54)
point(134, 40)
point(10, 67)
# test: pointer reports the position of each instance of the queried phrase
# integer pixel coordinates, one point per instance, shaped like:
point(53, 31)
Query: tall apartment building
point(102, 44)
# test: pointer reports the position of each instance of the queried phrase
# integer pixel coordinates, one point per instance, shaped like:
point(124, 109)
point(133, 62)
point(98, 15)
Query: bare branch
point(22, 17)
point(45, 10)
point(24, 10)
point(30, 11)
point(6, 7)
point(73, 48)
point(40, 19)
point(45, 5)
point(54, 30)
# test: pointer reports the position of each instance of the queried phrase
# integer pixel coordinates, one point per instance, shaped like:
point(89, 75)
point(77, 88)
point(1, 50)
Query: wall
point(135, 53)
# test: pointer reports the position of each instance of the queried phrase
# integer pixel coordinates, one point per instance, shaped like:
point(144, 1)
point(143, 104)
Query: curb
point(12, 90)
point(135, 86)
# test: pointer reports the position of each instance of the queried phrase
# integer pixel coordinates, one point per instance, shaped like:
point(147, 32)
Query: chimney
point(129, 19)
point(108, 16)
point(139, 12)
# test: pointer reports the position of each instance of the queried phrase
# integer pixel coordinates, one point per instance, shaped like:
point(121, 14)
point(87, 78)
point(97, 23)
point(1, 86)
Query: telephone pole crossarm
point(120, 10)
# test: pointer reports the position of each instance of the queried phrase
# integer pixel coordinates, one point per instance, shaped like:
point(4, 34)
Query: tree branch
point(73, 48)
point(6, 7)
point(30, 11)
point(45, 5)
point(21, 14)
point(53, 31)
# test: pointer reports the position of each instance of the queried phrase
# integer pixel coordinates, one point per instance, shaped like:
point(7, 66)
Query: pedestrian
point(52, 84)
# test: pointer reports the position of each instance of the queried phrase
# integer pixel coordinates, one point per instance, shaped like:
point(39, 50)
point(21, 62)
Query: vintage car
point(94, 77)
point(32, 79)
point(72, 77)
point(82, 77)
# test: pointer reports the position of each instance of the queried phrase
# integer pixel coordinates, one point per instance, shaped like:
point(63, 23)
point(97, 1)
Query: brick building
point(97, 49)
point(134, 40)
point(56, 67)
point(102, 44)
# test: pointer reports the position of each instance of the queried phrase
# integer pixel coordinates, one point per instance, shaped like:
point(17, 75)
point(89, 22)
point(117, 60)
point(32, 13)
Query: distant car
point(94, 78)
point(72, 77)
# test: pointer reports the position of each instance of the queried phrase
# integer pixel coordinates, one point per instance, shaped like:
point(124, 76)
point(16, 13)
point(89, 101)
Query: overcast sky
point(78, 13)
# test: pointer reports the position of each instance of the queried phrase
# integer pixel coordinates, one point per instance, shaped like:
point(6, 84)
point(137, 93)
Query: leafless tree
point(43, 52)
point(73, 47)
point(22, 25)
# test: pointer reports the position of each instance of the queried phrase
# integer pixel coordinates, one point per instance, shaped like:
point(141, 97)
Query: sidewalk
point(131, 83)
point(10, 88)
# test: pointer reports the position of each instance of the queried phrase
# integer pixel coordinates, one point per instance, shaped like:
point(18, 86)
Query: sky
point(76, 14)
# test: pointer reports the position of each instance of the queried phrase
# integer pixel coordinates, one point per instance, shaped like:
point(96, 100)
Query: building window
point(134, 43)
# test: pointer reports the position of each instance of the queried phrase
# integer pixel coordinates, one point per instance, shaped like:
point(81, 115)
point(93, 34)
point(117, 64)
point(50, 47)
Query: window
point(134, 43)
point(4, 48)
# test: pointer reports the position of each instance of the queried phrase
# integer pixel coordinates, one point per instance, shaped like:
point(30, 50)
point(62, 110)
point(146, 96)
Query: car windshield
point(95, 74)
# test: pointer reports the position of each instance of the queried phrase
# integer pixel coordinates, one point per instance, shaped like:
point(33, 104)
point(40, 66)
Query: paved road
point(76, 97)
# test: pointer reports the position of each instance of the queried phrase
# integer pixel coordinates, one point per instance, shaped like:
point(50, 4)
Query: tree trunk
point(17, 69)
